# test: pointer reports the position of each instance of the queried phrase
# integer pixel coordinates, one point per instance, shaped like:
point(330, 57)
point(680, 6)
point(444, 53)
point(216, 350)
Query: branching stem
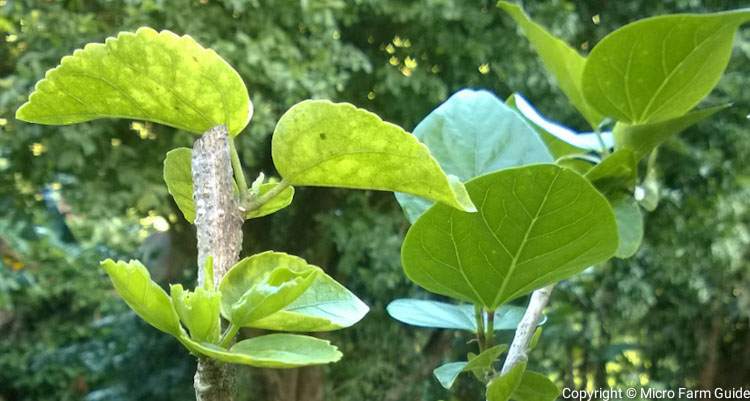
point(229, 334)
point(526, 328)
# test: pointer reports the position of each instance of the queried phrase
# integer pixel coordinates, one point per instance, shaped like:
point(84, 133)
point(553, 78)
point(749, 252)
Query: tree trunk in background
point(218, 224)
point(707, 378)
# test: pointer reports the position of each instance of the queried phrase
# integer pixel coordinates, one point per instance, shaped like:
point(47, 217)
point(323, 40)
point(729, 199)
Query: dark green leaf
point(616, 173)
point(501, 387)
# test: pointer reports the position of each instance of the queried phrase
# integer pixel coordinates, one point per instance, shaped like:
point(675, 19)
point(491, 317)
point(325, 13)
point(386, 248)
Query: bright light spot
point(585, 45)
point(336, 35)
point(644, 379)
point(390, 49)
point(116, 142)
point(37, 149)
point(160, 224)
point(143, 130)
point(371, 95)
point(484, 69)
point(596, 19)
point(393, 60)
point(370, 39)
point(410, 62)
point(406, 71)
point(3, 122)
point(56, 186)
point(639, 194)
point(4, 163)
point(398, 42)
point(435, 69)
point(38, 197)
point(11, 38)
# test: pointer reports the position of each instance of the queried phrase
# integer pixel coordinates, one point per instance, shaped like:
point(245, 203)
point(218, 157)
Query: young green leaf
point(265, 291)
point(471, 134)
point(447, 373)
point(616, 173)
point(536, 225)
point(647, 193)
point(327, 144)
point(561, 60)
point(270, 351)
point(535, 387)
point(199, 310)
point(502, 387)
point(659, 68)
point(179, 180)
point(643, 138)
point(629, 224)
point(482, 363)
point(146, 75)
point(435, 314)
point(133, 283)
point(325, 305)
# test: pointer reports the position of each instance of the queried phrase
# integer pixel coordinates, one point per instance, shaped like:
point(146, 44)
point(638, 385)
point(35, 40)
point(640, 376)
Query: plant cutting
point(172, 80)
point(551, 202)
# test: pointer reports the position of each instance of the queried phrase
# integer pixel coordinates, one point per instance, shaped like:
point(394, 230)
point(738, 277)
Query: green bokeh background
point(674, 315)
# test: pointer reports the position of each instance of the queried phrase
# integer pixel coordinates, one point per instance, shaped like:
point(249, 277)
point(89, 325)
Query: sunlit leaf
point(146, 75)
point(616, 173)
point(149, 301)
point(502, 387)
point(535, 387)
point(270, 351)
point(320, 143)
point(199, 312)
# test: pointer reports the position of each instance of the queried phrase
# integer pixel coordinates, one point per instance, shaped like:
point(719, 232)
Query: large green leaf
point(536, 225)
point(502, 387)
point(535, 387)
point(471, 134)
point(561, 60)
point(560, 140)
point(321, 143)
point(325, 305)
point(146, 75)
point(629, 224)
point(643, 138)
point(179, 180)
point(435, 314)
point(263, 284)
point(199, 311)
point(149, 301)
point(270, 351)
point(659, 68)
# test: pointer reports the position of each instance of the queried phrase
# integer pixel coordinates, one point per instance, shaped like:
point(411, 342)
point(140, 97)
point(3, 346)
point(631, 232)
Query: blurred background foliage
point(675, 315)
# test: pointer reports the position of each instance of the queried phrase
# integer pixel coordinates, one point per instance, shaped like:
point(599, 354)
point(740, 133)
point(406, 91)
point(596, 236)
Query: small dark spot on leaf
point(322, 135)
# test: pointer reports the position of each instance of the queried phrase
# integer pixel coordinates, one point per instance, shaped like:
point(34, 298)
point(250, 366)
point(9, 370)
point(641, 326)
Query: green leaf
point(616, 173)
point(643, 138)
point(263, 284)
point(659, 68)
point(535, 387)
point(278, 202)
point(536, 225)
point(447, 373)
point(327, 144)
point(535, 338)
point(325, 306)
point(149, 301)
point(560, 140)
point(647, 194)
point(199, 311)
point(179, 179)
point(629, 224)
point(270, 351)
point(435, 314)
point(471, 134)
point(146, 75)
point(561, 60)
point(482, 363)
point(502, 387)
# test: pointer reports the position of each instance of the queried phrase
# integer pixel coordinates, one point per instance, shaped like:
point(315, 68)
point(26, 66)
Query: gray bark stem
point(526, 328)
point(218, 223)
